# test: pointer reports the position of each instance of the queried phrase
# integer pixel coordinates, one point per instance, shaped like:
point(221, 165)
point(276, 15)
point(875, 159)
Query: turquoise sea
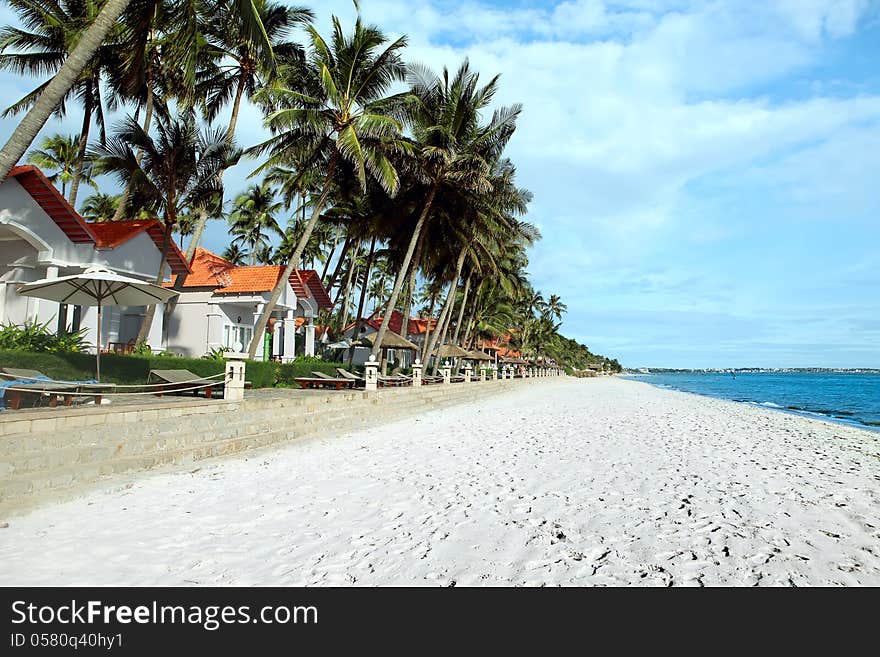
point(852, 398)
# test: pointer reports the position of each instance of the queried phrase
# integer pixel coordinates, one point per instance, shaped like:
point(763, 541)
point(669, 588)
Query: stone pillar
point(417, 372)
point(372, 373)
point(235, 376)
point(482, 373)
point(288, 349)
point(310, 337)
point(494, 372)
point(468, 371)
point(446, 370)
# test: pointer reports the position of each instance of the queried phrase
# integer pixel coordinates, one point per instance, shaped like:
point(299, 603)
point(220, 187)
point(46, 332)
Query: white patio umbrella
point(99, 287)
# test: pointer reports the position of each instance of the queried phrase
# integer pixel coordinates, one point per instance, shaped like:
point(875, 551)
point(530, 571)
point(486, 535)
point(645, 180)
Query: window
point(233, 333)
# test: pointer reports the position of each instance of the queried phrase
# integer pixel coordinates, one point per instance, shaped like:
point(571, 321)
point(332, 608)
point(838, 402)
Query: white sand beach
point(570, 482)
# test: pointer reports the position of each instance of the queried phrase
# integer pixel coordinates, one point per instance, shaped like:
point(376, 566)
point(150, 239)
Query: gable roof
point(110, 234)
point(107, 235)
point(53, 203)
point(415, 325)
point(212, 271)
point(306, 283)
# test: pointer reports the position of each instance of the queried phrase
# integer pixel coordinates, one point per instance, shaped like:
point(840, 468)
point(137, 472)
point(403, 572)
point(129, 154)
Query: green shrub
point(36, 337)
point(118, 368)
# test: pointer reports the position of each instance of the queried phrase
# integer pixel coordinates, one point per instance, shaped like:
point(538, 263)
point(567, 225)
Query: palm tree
point(333, 112)
point(99, 207)
point(235, 254)
point(554, 306)
point(53, 29)
point(178, 170)
point(455, 151)
point(58, 153)
point(233, 67)
point(83, 53)
point(253, 219)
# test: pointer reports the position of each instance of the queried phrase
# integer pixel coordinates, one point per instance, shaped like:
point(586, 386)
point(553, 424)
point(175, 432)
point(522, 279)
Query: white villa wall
point(33, 244)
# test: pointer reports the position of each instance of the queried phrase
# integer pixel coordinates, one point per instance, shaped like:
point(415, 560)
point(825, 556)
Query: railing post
point(233, 389)
point(468, 371)
point(417, 372)
point(494, 372)
point(482, 373)
point(446, 370)
point(372, 373)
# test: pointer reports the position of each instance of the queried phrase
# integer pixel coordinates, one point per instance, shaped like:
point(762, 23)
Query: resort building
point(416, 330)
point(42, 236)
point(220, 303)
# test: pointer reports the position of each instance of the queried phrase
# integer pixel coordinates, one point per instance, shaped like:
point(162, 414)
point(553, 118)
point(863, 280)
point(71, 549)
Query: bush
point(36, 337)
point(118, 368)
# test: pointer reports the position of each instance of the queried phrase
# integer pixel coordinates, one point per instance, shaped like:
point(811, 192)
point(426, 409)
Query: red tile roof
point(307, 284)
point(415, 325)
point(103, 236)
point(110, 234)
point(53, 203)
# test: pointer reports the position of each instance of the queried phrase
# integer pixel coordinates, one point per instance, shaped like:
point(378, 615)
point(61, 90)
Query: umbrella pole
point(98, 360)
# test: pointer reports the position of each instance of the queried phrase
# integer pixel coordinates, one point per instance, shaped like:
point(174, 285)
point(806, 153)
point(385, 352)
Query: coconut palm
point(178, 170)
point(253, 218)
point(99, 207)
point(82, 54)
point(455, 151)
point(332, 112)
point(235, 254)
point(52, 29)
point(58, 155)
point(233, 66)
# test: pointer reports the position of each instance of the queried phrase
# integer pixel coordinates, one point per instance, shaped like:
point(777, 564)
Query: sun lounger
point(324, 381)
point(34, 382)
point(176, 380)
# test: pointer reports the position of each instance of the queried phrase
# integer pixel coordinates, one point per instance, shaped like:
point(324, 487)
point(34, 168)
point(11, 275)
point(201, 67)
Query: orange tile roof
point(47, 196)
point(306, 283)
point(210, 270)
point(110, 234)
point(104, 235)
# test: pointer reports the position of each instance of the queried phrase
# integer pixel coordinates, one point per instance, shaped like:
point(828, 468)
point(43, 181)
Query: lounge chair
point(321, 380)
point(34, 382)
point(345, 374)
point(176, 380)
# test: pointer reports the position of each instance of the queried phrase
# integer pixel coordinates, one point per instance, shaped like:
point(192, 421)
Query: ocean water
point(843, 397)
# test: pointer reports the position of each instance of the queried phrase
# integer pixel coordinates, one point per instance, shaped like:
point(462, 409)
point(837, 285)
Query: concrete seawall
point(51, 454)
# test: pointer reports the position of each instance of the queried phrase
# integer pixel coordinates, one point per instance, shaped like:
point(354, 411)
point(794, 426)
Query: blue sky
point(704, 172)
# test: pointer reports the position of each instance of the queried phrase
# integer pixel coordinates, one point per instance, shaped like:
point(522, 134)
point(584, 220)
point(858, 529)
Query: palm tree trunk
point(352, 268)
point(360, 308)
point(411, 286)
point(404, 270)
point(342, 255)
point(233, 119)
point(26, 131)
point(294, 261)
point(88, 102)
point(464, 297)
point(428, 327)
point(447, 309)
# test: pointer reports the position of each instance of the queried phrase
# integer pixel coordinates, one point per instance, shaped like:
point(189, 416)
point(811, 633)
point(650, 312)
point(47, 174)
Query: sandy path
point(571, 482)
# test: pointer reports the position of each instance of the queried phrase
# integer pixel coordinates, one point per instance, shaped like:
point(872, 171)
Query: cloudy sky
point(705, 173)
